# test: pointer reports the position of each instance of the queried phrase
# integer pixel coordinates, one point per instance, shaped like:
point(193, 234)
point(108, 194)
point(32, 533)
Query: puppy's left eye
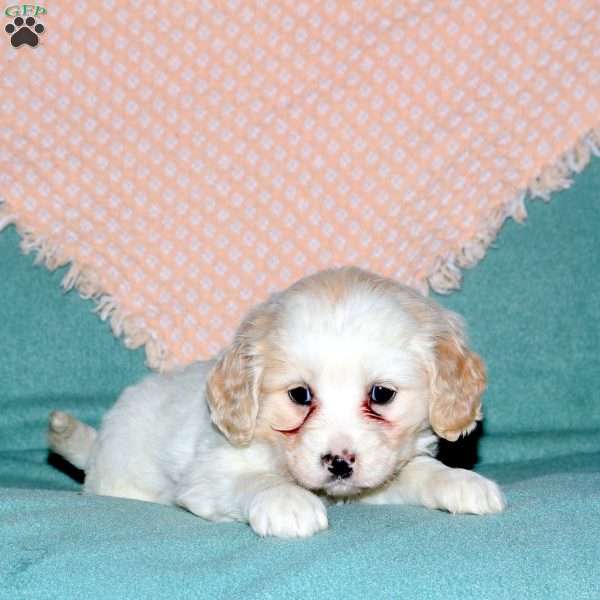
point(380, 394)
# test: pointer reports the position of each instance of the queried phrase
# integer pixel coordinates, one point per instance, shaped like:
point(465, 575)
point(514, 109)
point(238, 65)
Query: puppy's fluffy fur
point(228, 441)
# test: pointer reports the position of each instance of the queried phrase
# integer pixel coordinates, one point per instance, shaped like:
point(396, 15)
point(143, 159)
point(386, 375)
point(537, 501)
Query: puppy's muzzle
point(339, 466)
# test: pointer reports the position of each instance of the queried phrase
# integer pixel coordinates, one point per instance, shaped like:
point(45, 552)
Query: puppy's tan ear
point(233, 384)
point(458, 382)
point(232, 392)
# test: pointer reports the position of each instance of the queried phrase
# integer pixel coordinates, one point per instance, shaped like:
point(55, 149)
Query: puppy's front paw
point(462, 491)
point(287, 511)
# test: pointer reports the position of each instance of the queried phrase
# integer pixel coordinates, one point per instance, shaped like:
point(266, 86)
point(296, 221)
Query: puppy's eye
point(380, 394)
point(300, 395)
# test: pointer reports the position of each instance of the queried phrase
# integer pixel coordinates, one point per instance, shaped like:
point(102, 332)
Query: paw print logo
point(24, 31)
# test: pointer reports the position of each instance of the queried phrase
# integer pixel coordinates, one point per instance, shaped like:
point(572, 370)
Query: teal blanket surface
point(533, 309)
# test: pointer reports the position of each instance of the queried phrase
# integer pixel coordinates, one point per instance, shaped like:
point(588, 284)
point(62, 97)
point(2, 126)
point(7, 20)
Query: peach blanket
point(188, 158)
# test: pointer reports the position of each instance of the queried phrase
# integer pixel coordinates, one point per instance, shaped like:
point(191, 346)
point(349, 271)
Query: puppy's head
point(345, 374)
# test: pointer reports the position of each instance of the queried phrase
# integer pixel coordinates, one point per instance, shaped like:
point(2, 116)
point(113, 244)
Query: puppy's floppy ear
point(232, 396)
point(233, 384)
point(457, 383)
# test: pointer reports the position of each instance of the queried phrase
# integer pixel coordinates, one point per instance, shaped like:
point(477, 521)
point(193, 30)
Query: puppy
point(334, 389)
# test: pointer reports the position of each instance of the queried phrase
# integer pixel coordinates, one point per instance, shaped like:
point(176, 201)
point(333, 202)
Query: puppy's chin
point(342, 488)
point(336, 488)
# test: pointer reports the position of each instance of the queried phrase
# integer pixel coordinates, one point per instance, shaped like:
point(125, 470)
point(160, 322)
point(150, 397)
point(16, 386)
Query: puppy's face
point(344, 391)
point(345, 374)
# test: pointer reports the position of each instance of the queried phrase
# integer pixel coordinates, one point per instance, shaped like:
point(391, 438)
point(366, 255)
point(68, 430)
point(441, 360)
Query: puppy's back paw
point(287, 511)
point(70, 438)
point(60, 425)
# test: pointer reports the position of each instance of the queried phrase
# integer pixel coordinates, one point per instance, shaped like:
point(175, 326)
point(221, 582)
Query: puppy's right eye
point(300, 395)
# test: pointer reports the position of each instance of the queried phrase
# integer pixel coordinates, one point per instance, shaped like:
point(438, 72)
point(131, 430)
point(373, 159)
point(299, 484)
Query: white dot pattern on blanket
point(197, 156)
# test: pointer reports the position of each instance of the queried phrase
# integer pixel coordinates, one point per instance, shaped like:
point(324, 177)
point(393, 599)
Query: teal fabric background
point(533, 310)
point(57, 352)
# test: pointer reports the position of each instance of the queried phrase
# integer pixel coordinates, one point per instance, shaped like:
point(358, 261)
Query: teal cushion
point(533, 307)
point(62, 545)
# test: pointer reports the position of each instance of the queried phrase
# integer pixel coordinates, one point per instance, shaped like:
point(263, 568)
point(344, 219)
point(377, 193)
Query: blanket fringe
point(445, 277)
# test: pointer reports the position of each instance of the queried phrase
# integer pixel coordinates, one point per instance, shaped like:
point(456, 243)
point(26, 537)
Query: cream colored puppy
point(333, 389)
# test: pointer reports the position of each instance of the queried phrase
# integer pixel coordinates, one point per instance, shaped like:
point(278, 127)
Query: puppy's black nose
point(338, 466)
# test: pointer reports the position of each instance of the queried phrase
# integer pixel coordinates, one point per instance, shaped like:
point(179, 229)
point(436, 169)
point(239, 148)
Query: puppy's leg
point(426, 481)
point(70, 438)
point(271, 504)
